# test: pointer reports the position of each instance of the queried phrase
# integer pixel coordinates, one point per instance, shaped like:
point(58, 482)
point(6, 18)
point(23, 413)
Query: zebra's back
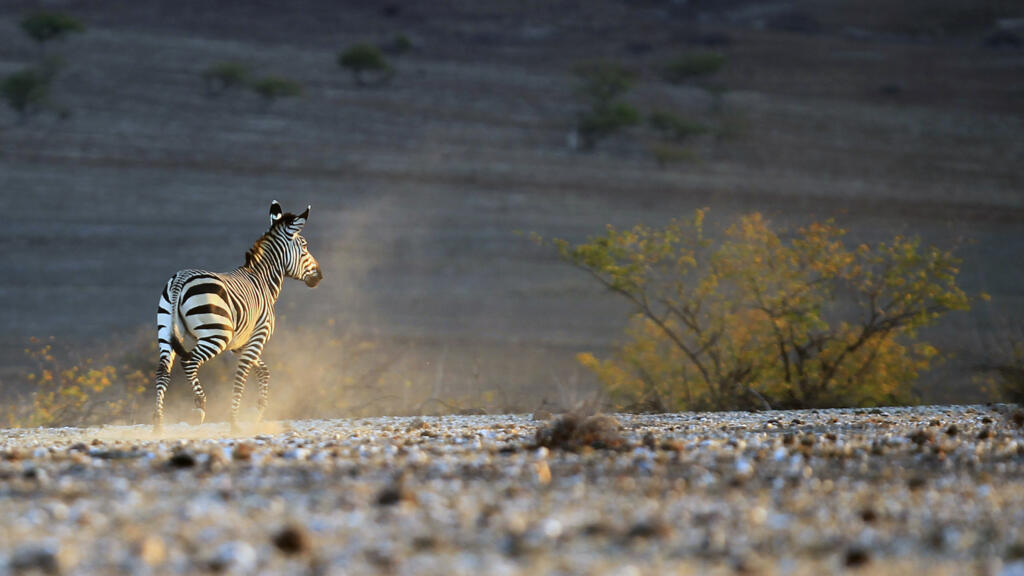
point(198, 306)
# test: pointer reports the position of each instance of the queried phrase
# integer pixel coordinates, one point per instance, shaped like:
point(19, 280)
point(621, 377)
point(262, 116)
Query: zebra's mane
point(254, 254)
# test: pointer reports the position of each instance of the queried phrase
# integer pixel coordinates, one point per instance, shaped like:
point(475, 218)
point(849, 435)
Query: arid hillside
point(890, 121)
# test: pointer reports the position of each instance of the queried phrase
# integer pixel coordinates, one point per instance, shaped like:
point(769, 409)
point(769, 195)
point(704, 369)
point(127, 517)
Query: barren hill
point(910, 124)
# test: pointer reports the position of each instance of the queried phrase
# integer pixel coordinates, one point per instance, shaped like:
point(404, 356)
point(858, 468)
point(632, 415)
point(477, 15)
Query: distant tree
point(693, 65)
point(601, 86)
point(602, 81)
point(272, 88)
point(45, 26)
point(366, 63)
point(26, 91)
point(225, 76)
point(749, 317)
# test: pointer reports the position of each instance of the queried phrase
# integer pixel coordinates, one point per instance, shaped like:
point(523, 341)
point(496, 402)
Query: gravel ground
point(933, 489)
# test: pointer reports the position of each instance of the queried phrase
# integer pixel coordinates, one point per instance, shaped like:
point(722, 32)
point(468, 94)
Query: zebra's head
point(298, 262)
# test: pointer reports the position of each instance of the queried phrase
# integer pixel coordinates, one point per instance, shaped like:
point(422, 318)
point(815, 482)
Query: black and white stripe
point(202, 313)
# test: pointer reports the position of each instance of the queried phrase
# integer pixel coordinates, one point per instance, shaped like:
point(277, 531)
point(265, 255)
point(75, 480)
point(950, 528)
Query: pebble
point(237, 557)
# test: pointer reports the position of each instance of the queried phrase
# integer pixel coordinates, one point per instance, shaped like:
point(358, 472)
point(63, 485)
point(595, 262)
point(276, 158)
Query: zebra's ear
point(299, 221)
point(275, 211)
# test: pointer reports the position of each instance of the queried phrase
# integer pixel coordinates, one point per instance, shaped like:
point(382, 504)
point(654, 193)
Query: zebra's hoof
point(200, 416)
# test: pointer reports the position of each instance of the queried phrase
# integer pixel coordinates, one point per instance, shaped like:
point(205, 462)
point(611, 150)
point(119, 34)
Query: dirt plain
point(935, 490)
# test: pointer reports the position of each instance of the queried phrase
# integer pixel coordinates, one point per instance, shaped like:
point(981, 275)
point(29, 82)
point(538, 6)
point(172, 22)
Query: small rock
point(856, 557)
point(152, 551)
point(650, 441)
point(292, 539)
point(42, 557)
point(1018, 418)
point(651, 528)
point(921, 437)
point(243, 451)
point(543, 472)
point(182, 460)
point(393, 494)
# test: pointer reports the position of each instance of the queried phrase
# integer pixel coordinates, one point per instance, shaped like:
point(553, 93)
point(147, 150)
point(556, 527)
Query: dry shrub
point(574, 431)
point(65, 387)
point(750, 317)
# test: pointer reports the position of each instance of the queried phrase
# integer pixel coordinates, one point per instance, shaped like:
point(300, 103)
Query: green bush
point(753, 318)
point(673, 127)
point(367, 64)
point(601, 85)
point(693, 65)
point(603, 82)
point(271, 88)
point(26, 91)
point(600, 122)
point(45, 26)
point(225, 76)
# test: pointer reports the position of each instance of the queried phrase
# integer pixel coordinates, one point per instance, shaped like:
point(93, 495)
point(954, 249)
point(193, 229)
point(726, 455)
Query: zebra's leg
point(246, 358)
point(263, 378)
point(165, 343)
point(163, 379)
point(204, 350)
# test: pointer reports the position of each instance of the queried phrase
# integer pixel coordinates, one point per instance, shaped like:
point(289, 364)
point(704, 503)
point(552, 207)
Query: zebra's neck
point(268, 275)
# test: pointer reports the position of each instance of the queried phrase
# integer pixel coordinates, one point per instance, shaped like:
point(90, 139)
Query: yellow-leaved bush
point(63, 390)
point(751, 317)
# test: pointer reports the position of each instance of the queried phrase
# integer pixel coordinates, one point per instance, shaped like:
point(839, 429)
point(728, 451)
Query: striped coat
point(202, 313)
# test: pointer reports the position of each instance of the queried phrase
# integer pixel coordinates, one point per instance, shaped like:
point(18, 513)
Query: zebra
point(202, 313)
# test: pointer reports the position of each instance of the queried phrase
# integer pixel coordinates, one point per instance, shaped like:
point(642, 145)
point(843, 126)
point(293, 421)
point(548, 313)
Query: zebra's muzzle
point(314, 279)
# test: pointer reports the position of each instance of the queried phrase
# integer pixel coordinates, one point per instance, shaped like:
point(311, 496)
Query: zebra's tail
point(169, 345)
point(169, 342)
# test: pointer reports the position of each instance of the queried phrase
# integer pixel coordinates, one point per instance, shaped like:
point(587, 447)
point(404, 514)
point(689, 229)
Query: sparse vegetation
point(45, 26)
point(367, 64)
point(753, 318)
point(71, 391)
point(273, 88)
point(674, 127)
point(225, 76)
point(398, 45)
point(665, 153)
point(693, 65)
point(601, 85)
point(574, 431)
point(27, 91)
point(1005, 375)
